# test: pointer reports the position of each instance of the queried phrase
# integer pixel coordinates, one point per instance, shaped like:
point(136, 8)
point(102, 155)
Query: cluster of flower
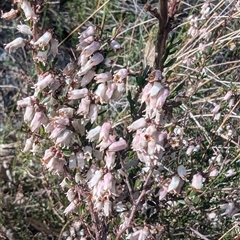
point(149, 139)
point(64, 116)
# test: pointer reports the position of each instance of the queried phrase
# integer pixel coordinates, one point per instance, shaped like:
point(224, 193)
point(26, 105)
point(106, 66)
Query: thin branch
point(128, 221)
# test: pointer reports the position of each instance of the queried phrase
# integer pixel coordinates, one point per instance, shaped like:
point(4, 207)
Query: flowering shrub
point(117, 173)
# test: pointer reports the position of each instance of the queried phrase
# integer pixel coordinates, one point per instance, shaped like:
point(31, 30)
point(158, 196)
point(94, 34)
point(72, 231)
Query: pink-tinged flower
point(229, 209)
point(80, 159)
point(109, 183)
point(10, 15)
point(29, 114)
point(54, 47)
point(78, 126)
point(103, 77)
point(98, 191)
point(228, 95)
point(69, 69)
point(182, 172)
point(190, 150)
point(141, 234)
point(71, 207)
point(90, 49)
point(98, 205)
point(151, 148)
point(118, 91)
point(64, 139)
point(62, 120)
point(78, 93)
point(28, 11)
point(145, 92)
point(64, 183)
point(139, 123)
point(93, 113)
point(66, 111)
point(72, 163)
point(43, 40)
point(101, 92)
point(90, 31)
point(26, 102)
point(197, 181)
point(15, 44)
point(214, 172)
point(43, 83)
point(216, 108)
point(28, 144)
point(84, 43)
point(162, 96)
point(115, 45)
point(105, 129)
point(56, 164)
point(111, 86)
point(96, 178)
point(82, 60)
point(24, 29)
point(107, 207)
point(174, 184)
point(93, 134)
point(139, 142)
point(120, 75)
point(41, 56)
point(57, 131)
point(49, 153)
point(71, 194)
point(96, 59)
point(39, 119)
point(109, 159)
point(88, 152)
point(104, 144)
point(162, 192)
point(156, 87)
point(151, 130)
point(83, 108)
point(118, 145)
point(86, 79)
point(49, 127)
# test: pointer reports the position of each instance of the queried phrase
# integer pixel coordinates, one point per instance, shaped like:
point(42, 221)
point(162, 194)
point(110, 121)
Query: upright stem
point(163, 30)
